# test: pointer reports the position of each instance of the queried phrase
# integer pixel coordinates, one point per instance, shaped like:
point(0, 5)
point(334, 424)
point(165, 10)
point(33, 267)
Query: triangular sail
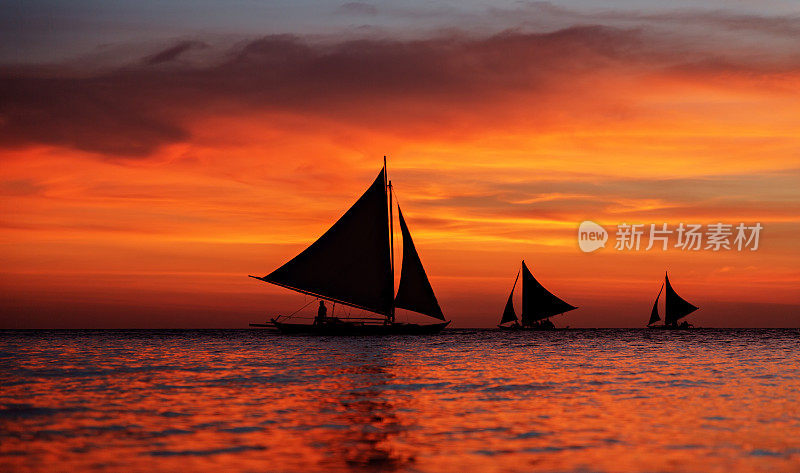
point(414, 291)
point(509, 314)
point(654, 317)
point(676, 307)
point(537, 302)
point(350, 262)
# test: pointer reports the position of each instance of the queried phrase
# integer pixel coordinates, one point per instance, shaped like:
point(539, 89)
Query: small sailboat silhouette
point(675, 308)
point(352, 264)
point(538, 305)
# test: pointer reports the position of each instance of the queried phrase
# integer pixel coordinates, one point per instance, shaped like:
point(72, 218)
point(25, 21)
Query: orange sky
point(142, 195)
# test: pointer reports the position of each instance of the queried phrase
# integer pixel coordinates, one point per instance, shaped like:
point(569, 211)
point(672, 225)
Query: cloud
point(112, 113)
point(681, 21)
point(20, 187)
point(172, 53)
point(495, 204)
point(436, 86)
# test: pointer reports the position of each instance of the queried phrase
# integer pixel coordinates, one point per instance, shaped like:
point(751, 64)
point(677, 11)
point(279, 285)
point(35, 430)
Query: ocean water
point(466, 400)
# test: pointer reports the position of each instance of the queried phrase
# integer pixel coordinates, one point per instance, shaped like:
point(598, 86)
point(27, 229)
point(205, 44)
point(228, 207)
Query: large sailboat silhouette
point(352, 264)
point(538, 305)
point(675, 308)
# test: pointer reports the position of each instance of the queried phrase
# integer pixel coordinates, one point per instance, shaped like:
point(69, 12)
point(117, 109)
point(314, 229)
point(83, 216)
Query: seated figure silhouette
point(321, 313)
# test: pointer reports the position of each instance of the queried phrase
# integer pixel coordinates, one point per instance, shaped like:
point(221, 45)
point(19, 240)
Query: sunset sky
point(153, 154)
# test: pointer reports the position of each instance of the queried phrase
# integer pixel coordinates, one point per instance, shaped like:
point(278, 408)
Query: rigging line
point(298, 310)
point(318, 296)
point(396, 200)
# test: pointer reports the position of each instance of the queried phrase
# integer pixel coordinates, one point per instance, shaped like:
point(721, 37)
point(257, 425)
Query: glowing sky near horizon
point(154, 154)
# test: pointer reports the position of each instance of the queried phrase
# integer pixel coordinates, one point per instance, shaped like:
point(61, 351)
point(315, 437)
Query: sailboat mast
point(391, 231)
point(666, 315)
point(522, 312)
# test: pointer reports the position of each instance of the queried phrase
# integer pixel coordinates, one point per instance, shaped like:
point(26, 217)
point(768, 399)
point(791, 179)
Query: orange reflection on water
point(608, 400)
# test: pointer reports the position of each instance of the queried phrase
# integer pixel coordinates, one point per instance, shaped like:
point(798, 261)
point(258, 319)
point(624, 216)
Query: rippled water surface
point(485, 401)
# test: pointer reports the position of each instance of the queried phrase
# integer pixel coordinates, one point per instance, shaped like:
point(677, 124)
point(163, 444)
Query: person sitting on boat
point(547, 324)
point(321, 313)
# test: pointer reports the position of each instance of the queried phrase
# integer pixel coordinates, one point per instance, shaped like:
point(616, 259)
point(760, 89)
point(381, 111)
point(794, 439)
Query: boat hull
point(350, 329)
point(269, 326)
point(513, 328)
point(670, 327)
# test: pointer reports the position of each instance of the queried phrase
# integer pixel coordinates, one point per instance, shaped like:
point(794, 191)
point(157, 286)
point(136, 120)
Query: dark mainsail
point(509, 314)
point(350, 263)
point(414, 291)
point(654, 314)
point(537, 302)
point(675, 307)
